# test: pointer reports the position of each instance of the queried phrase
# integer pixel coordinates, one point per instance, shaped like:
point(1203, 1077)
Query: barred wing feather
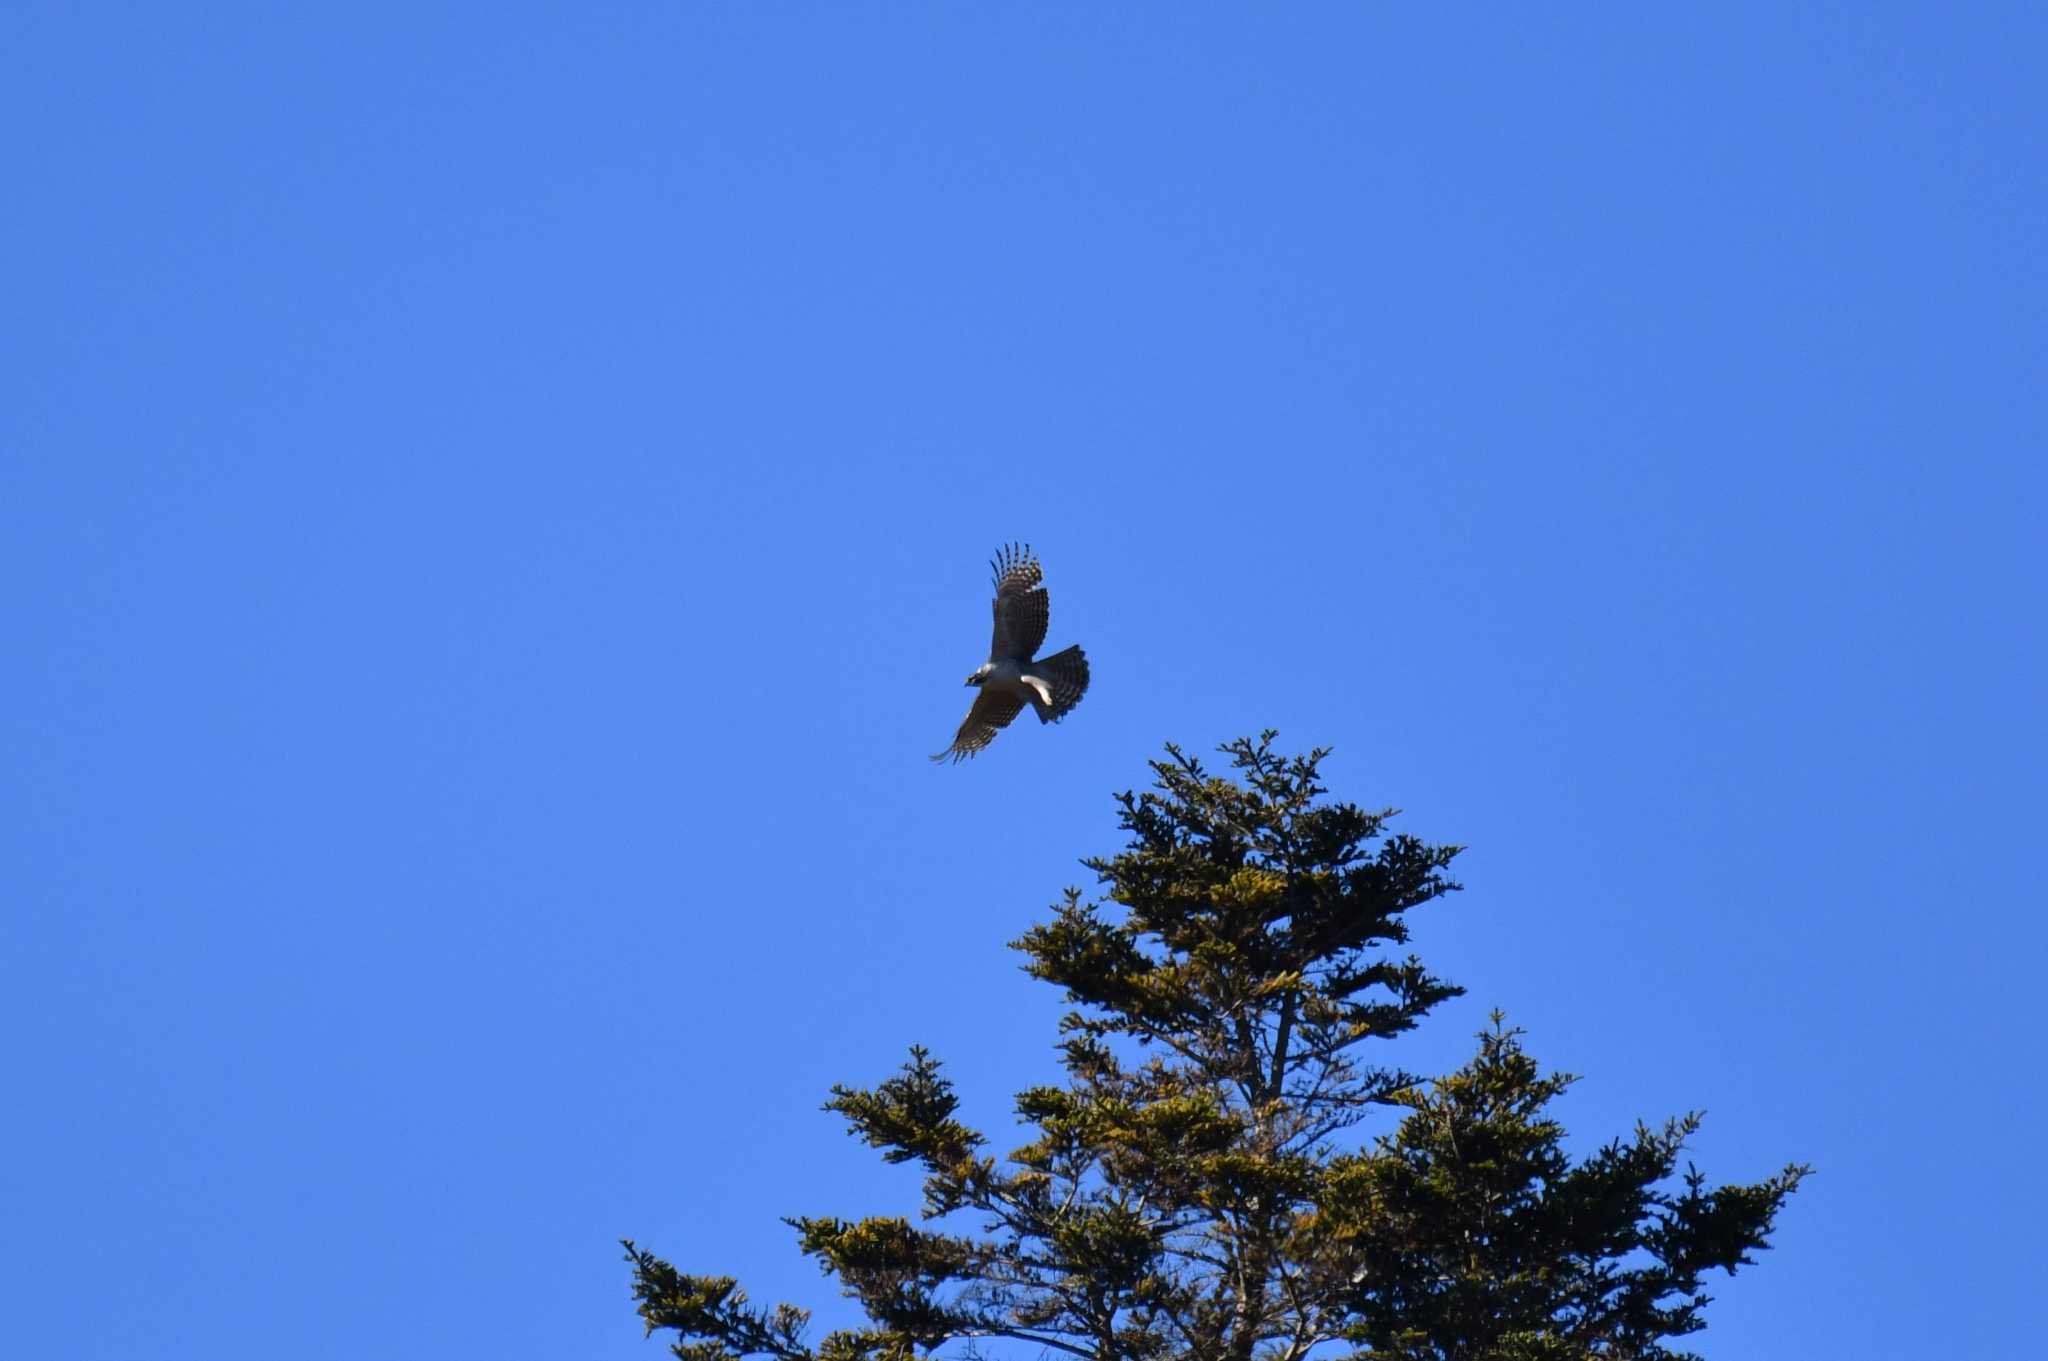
point(1023, 611)
point(992, 712)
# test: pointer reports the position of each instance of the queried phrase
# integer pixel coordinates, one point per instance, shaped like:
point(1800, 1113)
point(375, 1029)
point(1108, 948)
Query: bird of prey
point(1010, 679)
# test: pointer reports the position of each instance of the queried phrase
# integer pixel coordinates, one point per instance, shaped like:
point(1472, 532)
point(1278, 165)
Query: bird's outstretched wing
point(992, 712)
point(1022, 608)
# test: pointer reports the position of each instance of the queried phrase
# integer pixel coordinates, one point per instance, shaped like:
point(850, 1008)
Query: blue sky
point(493, 513)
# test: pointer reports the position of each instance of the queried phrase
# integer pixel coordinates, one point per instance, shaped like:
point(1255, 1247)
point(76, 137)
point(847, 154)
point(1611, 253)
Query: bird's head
point(980, 673)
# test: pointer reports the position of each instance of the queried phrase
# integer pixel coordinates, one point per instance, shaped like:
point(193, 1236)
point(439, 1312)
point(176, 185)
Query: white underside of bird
point(1007, 677)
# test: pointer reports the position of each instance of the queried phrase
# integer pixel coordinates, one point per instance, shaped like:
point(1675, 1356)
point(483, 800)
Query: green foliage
point(1186, 1192)
point(1470, 1233)
point(713, 1310)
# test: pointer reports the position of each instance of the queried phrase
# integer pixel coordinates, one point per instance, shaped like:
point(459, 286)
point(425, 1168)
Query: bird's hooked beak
point(974, 679)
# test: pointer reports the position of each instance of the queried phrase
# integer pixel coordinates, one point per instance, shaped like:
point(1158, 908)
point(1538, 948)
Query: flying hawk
point(1010, 679)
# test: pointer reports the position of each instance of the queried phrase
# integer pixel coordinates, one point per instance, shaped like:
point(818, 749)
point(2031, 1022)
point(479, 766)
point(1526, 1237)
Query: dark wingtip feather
point(1009, 557)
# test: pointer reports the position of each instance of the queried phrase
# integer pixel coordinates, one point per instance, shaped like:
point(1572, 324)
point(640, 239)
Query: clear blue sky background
point(493, 518)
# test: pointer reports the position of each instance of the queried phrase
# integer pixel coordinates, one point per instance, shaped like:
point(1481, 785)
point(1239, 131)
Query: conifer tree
point(1198, 1190)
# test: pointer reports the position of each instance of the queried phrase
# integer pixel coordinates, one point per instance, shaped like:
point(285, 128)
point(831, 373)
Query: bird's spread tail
point(1066, 679)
